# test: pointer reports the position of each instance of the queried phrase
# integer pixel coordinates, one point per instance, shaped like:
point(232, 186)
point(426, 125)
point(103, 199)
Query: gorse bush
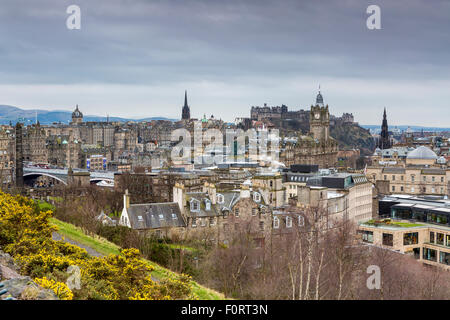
point(25, 233)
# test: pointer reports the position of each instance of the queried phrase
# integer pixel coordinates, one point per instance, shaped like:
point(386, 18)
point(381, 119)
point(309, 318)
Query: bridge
point(30, 174)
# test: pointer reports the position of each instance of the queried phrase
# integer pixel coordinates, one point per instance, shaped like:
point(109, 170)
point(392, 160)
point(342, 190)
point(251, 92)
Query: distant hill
point(404, 127)
point(13, 114)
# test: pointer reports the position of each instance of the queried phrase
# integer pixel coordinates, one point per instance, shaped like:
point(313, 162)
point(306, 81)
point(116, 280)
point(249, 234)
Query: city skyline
point(229, 57)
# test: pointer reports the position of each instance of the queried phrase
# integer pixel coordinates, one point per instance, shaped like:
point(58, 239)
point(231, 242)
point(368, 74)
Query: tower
point(186, 113)
point(384, 142)
point(77, 116)
point(319, 120)
point(19, 156)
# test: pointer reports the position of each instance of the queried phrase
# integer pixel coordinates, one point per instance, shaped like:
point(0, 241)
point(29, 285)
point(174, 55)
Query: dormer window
point(257, 197)
point(161, 217)
point(288, 222)
point(174, 216)
point(140, 219)
point(220, 198)
point(195, 205)
point(276, 222)
point(208, 205)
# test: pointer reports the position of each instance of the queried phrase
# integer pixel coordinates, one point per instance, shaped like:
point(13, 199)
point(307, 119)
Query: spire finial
point(185, 98)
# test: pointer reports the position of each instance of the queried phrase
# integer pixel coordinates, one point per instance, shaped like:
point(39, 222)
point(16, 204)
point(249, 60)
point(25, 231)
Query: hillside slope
point(352, 136)
point(105, 247)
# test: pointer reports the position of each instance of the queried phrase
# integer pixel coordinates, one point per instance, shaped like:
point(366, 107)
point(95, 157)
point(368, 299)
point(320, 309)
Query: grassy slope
point(105, 247)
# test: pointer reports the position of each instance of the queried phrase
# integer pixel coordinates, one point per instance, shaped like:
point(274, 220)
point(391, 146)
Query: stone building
point(420, 174)
point(316, 148)
point(34, 144)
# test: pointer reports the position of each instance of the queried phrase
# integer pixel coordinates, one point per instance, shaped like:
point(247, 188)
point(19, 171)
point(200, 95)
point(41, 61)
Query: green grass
point(44, 206)
point(105, 247)
point(394, 224)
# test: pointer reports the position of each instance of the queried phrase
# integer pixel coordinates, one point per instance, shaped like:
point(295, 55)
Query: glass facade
point(429, 254)
point(444, 258)
point(421, 215)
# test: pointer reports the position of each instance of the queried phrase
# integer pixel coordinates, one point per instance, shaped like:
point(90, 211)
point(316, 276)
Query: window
point(195, 205)
point(433, 190)
point(432, 178)
point(432, 237)
point(447, 242)
point(254, 211)
point(174, 216)
point(288, 222)
point(261, 225)
point(367, 236)
point(236, 212)
point(276, 222)
point(442, 179)
point(257, 197)
point(263, 210)
point(212, 221)
point(220, 198)
point(429, 254)
point(161, 217)
point(424, 179)
point(393, 188)
point(203, 222)
point(385, 177)
point(410, 238)
point(301, 221)
point(388, 239)
point(393, 177)
point(401, 189)
point(444, 258)
point(412, 178)
point(401, 178)
point(194, 222)
point(207, 205)
point(440, 238)
point(140, 218)
point(412, 190)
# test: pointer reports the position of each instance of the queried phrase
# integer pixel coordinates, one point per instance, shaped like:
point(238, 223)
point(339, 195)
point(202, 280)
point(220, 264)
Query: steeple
point(384, 141)
point(186, 112)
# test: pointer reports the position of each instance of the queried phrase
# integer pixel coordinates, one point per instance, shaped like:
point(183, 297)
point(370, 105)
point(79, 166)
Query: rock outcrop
point(20, 287)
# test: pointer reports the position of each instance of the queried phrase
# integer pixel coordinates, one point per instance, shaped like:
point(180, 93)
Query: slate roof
point(230, 199)
point(155, 216)
point(394, 170)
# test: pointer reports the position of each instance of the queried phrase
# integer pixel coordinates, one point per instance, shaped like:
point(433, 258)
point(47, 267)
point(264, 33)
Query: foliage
point(25, 233)
point(61, 290)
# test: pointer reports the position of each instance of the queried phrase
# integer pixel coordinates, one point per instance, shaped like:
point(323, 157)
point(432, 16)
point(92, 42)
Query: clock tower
point(319, 120)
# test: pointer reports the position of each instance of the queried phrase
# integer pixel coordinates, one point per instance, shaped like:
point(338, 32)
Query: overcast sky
point(135, 58)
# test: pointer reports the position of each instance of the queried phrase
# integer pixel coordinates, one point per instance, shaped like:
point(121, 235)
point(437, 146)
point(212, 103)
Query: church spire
point(186, 112)
point(384, 141)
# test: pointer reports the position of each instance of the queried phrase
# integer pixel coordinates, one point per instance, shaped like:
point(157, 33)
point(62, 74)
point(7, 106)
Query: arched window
point(220, 198)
